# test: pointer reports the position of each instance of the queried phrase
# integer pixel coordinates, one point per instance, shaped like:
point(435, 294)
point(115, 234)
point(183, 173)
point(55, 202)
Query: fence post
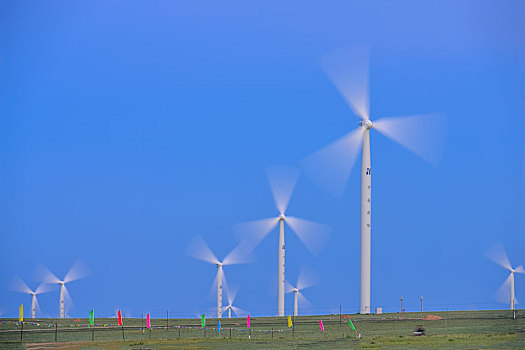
point(340, 316)
point(179, 332)
point(123, 332)
point(22, 332)
point(93, 333)
point(272, 333)
point(56, 331)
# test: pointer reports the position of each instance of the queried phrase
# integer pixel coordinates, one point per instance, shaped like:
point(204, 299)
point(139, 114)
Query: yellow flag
point(289, 321)
point(21, 313)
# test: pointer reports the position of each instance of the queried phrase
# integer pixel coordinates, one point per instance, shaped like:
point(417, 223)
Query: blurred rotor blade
point(19, 286)
point(77, 271)
point(348, 68)
point(231, 293)
point(503, 293)
point(45, 275)
point(282, 182)
point(304, 303)
point(239, 312)
point(497, 254)
point(288, 287)
point(251, 233)
point(43, 288)
point(198, 249)
point(424, 135)
point(313, 235)
point(68, 302)
point(331, 166)
point(519, 269)
point(241, 254)
point(307, 278)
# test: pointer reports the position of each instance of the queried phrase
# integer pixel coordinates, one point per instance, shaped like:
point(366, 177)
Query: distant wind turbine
point(331, 166)
point(231, 294)
point(313, 235)
point(76, 272)
point(20, 286)
point(199, 249)
point(303, 281)
point(506, 292)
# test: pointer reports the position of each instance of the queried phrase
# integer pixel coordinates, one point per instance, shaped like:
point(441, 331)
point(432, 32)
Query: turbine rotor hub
point(281, 216)
point(366, 123)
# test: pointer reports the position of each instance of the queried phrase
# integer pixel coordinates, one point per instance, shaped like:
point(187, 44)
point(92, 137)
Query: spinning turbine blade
point(251, 233)
point(46, 275)
point(303, 302)
point(331, 166)
point(239, 255)
point(497, 254)
point(239, 312)
point(519, 269)
point(348, 68)
point(231, 293)
point(19, 286)
point(503, 293)
point(282, 182)
point(43, 288)
point(424, 135)
point(77, 271)
point(198, 249)
point(306, 279)
point(313, 235)
point(288, 287)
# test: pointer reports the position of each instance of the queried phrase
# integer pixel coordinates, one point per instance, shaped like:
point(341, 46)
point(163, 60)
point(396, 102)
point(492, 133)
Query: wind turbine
point(331, 166)
point(507, 291)
point(303, 282)
point(231, 298)
point(20, 286)
point(199, 249)
point(313, 235)
point(76, 272)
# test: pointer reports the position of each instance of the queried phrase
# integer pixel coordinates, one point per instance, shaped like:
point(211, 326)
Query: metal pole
point(93, 333)
point(230, 332)
point(167, 324)
point(22, 332)
point(401, 312)
point(293, 326)
point(340, 314)
point(179, 332)
point(56, 331)
point(272, 333)
point(142, 323)
point(122, 332)
point(421, 307)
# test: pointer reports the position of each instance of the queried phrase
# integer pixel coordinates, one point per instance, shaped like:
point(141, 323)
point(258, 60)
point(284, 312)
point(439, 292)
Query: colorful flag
point(119, 318)
point(218, 327)
point(21, 313)
point(351, 324)
point(203, 321)
point(148, 322)
point(248, 321)
point(92, 317)
point(289, 321)
point(321, 325)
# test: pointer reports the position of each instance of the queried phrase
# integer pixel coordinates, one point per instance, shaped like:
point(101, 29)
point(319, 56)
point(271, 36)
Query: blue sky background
point(129, 127)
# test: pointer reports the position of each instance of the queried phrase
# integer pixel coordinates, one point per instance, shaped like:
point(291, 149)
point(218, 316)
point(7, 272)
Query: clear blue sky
point(128, 127)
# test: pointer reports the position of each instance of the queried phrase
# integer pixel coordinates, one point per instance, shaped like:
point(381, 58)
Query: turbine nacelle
point(218, 264)
point(282, 217)
point(366, 123)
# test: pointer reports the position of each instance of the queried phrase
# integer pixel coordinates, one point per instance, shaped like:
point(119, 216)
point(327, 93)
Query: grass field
point(456, 330)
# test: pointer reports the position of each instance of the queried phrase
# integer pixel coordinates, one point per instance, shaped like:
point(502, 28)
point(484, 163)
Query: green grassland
point(456, 330)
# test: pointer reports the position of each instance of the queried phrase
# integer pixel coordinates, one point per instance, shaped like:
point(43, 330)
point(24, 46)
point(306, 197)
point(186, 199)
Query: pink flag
point(148, 322)
point(321, 325)
point(248, 322)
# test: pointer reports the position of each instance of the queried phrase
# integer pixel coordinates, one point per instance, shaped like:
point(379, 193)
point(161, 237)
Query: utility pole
point(401, 307)
point(421, 307)
point(340, 316)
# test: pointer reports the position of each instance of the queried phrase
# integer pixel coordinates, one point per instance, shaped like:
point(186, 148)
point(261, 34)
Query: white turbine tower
point(230, 307)
point(20, 286)
point(506, 293)
point(76, 272)
point(199, 249)
point(303, 281)
point(332, 165)
point(313, 235)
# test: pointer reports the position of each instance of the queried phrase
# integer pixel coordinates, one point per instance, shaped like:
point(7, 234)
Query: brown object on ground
point(345, 317)
point(432, 317)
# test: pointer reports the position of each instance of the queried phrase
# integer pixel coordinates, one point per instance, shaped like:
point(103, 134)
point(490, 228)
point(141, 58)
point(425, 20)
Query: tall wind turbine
point(76, 272)
point(303, 281)
point(20, 286)
point(313, 235)
point(506, 292)
point(331, 166)
point(199, 249)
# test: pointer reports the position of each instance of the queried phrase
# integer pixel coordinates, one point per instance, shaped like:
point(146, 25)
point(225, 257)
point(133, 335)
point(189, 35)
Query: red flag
point(119, 318)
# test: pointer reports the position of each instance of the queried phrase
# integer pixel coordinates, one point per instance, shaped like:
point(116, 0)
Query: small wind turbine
point(506, 292)
point(331, 166)
point(313, 235)
point(76, 272)
point(231, 298)
point(303, 281)
point(20, 286)
point(199, 249)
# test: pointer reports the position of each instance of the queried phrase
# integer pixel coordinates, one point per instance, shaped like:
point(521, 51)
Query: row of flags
point(203, 320)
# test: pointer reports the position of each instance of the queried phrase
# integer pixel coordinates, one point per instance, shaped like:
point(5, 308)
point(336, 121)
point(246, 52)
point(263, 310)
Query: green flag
point(203, 322)
point(351, 324)
point(92, 317)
